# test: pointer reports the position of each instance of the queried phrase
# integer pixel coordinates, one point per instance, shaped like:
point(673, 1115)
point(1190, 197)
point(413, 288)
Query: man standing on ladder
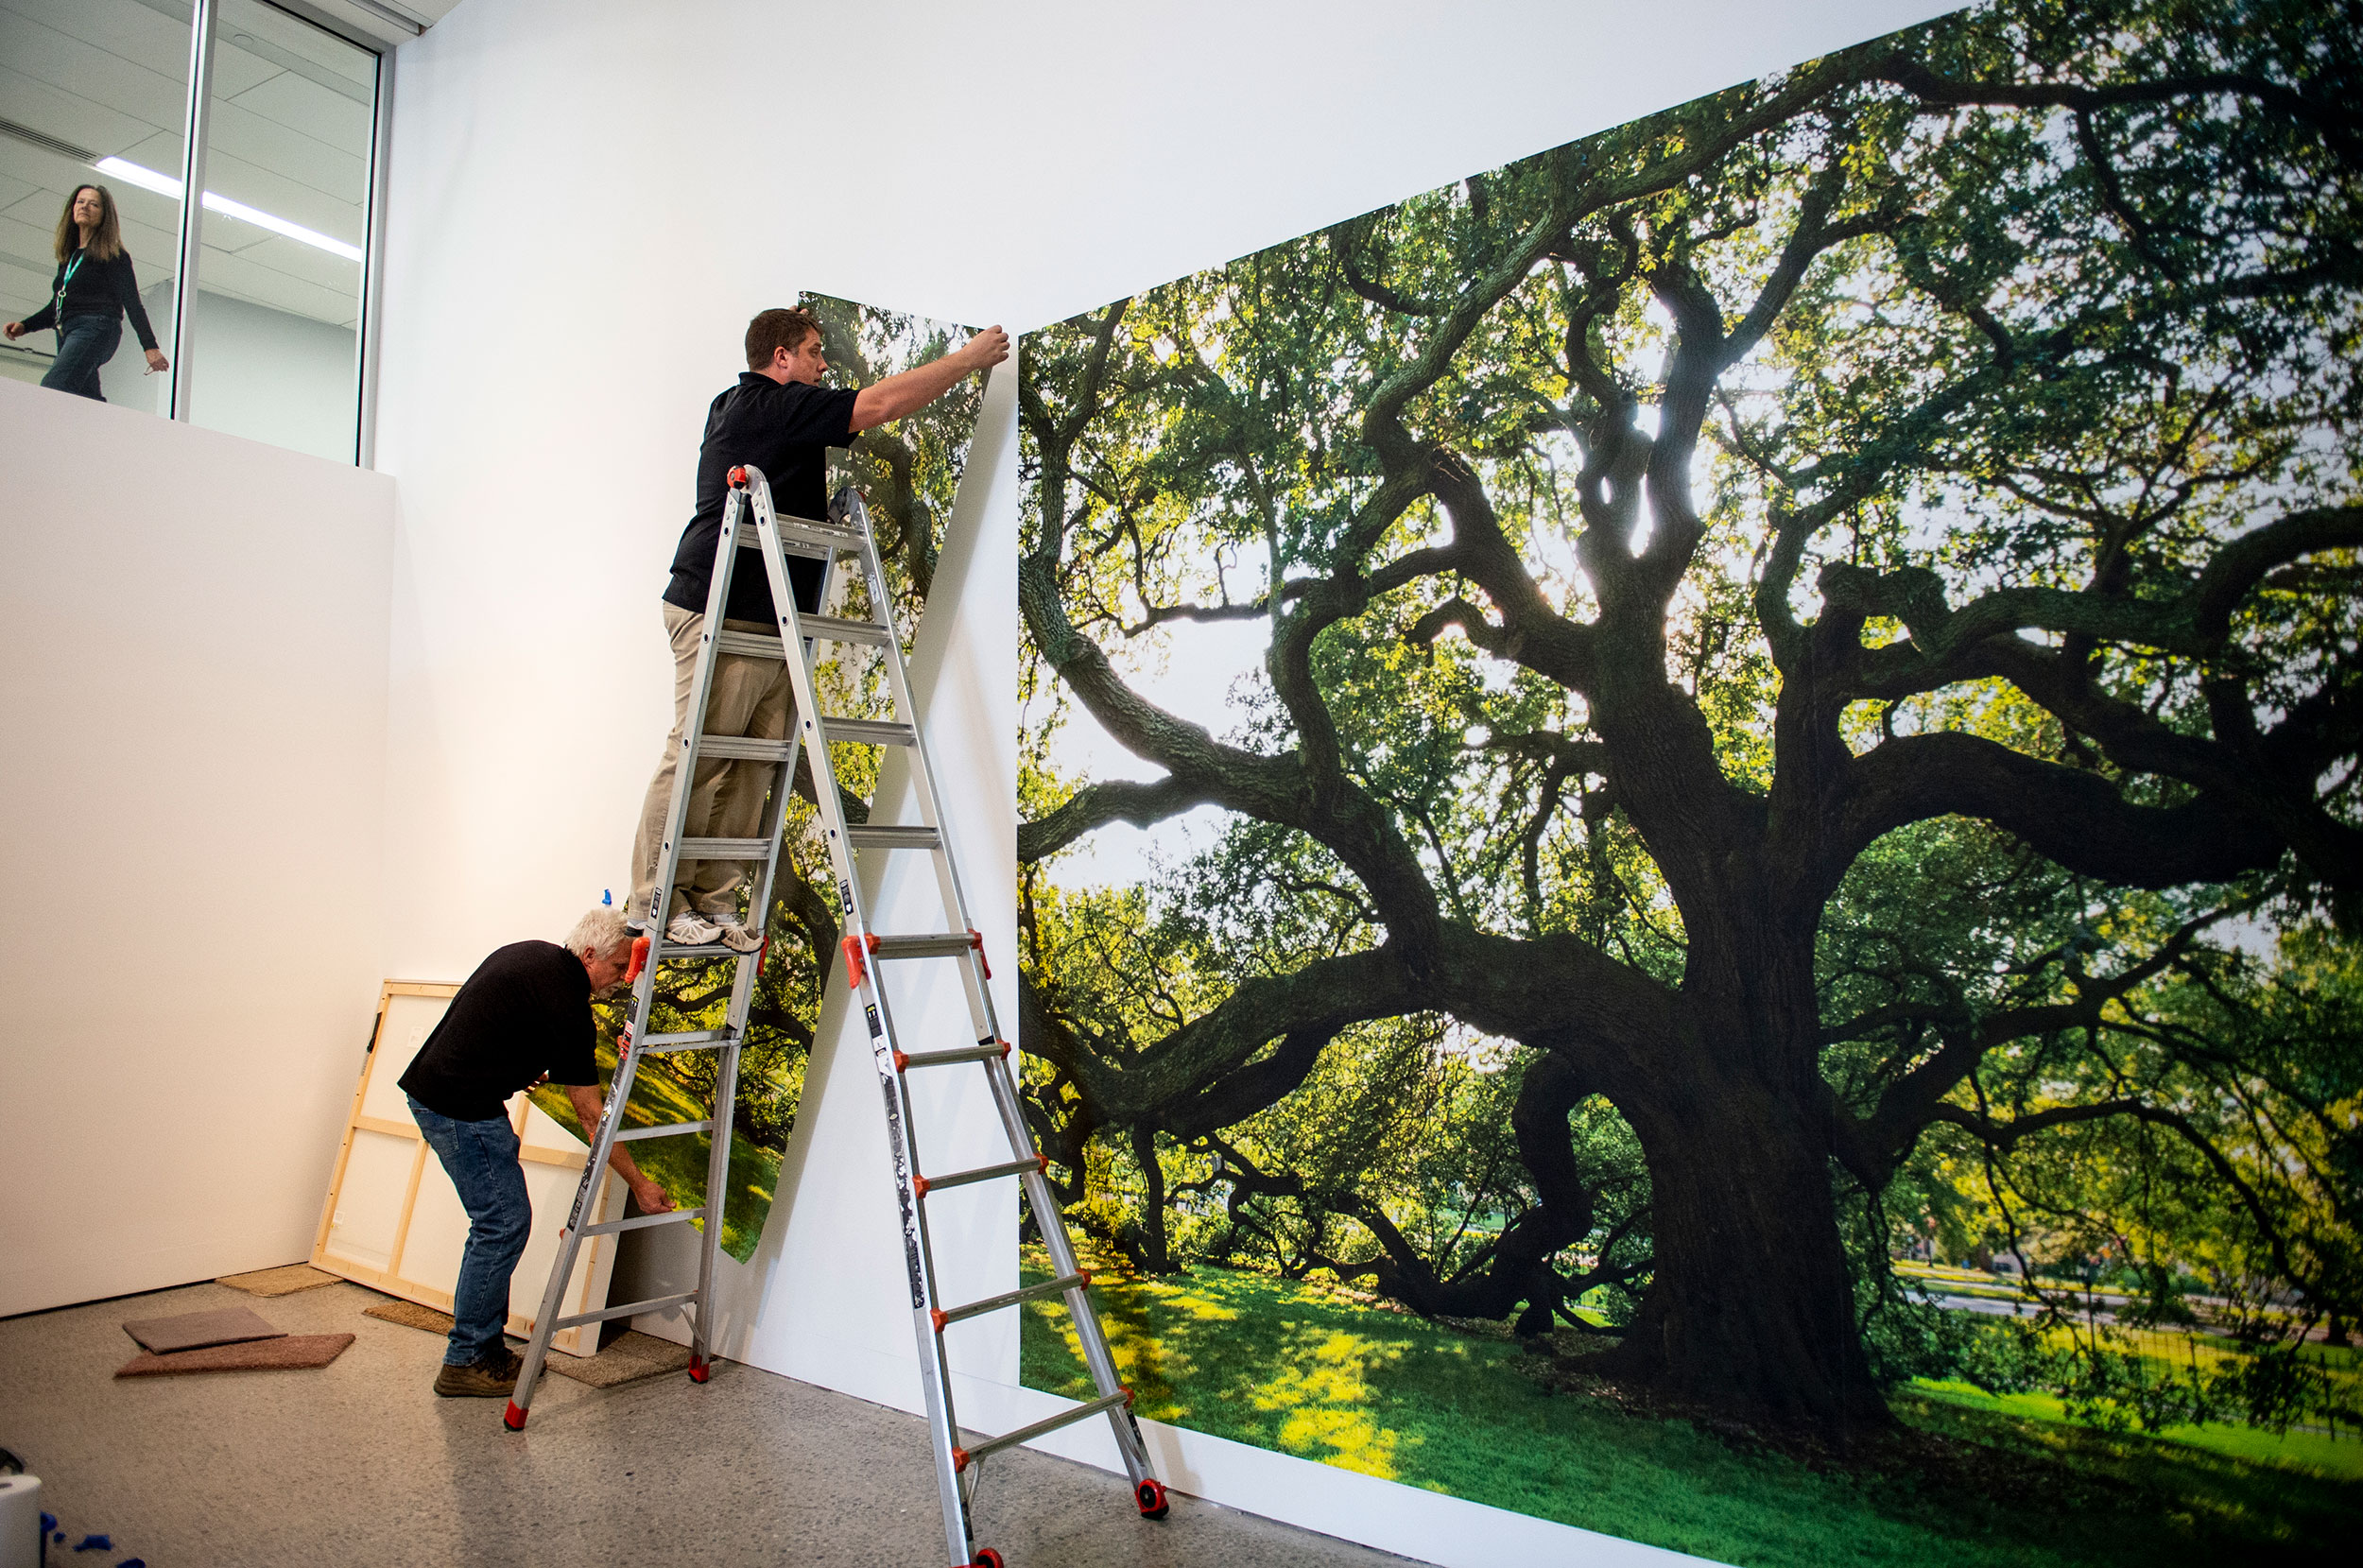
point(524, 1017)
point(780, 419)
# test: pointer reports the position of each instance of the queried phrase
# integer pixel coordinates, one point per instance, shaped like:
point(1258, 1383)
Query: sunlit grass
point(1324, 1376)
point(679, 1165)
point(2340, 1458)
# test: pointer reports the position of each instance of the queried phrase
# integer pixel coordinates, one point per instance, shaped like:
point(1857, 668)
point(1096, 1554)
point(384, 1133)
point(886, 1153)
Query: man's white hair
point(598, 934)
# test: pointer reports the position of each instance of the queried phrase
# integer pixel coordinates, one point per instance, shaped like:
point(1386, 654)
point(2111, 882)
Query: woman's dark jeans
point(85, 343)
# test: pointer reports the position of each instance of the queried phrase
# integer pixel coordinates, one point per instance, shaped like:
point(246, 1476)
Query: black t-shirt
point(785, 430)
point(525, 1011)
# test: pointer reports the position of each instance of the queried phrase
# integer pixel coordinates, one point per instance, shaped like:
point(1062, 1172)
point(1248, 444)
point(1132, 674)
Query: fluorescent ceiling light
point(165, 184)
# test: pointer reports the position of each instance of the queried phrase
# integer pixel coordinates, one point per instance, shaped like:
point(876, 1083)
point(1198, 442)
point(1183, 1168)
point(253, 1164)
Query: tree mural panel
point(1807, 721)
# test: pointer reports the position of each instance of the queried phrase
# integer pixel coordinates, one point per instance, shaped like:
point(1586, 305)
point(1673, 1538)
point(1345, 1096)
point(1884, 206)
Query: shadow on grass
point(678, 1163)
point(1326, 1377)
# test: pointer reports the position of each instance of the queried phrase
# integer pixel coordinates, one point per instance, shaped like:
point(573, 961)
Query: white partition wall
point(193, 698)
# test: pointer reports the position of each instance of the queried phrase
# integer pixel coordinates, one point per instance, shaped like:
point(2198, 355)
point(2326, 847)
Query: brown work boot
point(494, 1377)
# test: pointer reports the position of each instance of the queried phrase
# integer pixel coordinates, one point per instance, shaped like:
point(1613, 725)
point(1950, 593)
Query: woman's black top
point(96, 288)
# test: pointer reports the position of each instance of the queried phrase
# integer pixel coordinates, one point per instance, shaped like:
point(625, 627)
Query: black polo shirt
point(525, 1011)
point(785, 430)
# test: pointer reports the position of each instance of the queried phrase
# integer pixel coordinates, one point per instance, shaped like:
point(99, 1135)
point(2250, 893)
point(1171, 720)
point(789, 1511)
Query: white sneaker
point(738, 938)
point(691, 929)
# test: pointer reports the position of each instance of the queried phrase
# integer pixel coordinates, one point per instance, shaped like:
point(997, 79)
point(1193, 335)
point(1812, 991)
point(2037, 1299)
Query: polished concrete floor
point(359, 1464)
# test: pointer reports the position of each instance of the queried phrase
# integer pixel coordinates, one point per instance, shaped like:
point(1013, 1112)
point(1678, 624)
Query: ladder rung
point(923, 1186)
point(692, 1039)
point(947, 944)
point(963, 1458)
point(838, 532)
point(633, 1310)
point(1009, 1299)
point(800, 530)
point(819, 629)
point(905, 1061)
point(830, 629)
point(749, 645)
point(670, 1217)
point(791, 545)
point(725, 848)
point(869, 732)
point(670, 951)
point(754, 747)
point(798, 539)
point(893, 837)
point(663, 1129)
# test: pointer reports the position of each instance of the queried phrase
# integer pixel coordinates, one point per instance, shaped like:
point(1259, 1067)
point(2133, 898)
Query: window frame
point(197, 133)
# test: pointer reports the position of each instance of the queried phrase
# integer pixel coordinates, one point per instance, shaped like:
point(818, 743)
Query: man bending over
point(522, 1017)
point(780, 419)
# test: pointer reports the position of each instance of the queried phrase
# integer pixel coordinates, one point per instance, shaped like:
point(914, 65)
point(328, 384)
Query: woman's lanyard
point(66, 282)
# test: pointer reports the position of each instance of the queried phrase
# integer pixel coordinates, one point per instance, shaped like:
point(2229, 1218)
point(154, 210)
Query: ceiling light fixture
point(165, 184)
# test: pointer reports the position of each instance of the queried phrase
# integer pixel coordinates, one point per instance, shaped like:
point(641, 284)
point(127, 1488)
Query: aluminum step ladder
point(652, 951)
point(750, 522)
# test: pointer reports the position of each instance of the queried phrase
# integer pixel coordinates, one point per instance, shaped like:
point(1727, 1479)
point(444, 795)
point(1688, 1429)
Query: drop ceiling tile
point(125, 28)
point(161, 153)
point(69, 117)
point(229, 274)
point(268, 190)
point(311, 110)
point(236, 72)
point(152, 250)
point(36, 204)
point(87, 71)
point(231, 235)
point(339, 82)
point(141, 205)
point(23, 291)
point(37, 166)
point(27, 244)
point(241, 133)
point(355, 64)
point(13, 190)
point(321, 268)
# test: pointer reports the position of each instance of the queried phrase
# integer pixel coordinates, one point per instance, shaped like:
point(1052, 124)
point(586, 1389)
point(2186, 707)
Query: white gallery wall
point(192, 699)
point(589, 197)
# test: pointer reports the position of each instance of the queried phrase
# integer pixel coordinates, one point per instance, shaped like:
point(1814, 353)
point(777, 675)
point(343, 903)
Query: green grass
point(679, 1165)
point(2340, 1458)
point(1318, 1374)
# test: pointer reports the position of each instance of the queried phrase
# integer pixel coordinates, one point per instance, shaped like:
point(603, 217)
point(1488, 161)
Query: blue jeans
point(85, 343)
point(481, 1159)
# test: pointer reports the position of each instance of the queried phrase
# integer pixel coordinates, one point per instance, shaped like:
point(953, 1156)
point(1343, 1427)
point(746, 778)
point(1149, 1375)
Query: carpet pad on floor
point(284, 1281)
point(286, 1351)
point(192, 1330)
point(632, 1355)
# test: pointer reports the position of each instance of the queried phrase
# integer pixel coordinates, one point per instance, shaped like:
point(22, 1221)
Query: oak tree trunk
point(1751, 1310)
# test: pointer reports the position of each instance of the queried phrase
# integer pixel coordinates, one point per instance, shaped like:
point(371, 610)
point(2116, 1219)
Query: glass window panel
point(82, 83)
point(279, 275)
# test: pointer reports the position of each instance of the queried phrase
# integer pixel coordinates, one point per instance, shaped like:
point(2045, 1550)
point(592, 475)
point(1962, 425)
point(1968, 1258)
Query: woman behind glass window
point(94, 289)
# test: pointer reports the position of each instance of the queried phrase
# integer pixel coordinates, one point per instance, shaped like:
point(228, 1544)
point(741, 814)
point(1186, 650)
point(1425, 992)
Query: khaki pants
point(748, 697)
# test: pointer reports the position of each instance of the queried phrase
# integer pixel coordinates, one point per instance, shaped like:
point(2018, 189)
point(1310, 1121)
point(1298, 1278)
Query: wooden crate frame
point(545, 1147)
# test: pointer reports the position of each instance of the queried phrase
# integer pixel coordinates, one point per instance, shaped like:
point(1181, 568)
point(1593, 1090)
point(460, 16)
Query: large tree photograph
point(1690, 857)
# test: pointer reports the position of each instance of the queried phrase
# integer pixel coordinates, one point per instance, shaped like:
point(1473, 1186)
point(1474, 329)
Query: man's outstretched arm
point(645, 1193)
point(913, 389)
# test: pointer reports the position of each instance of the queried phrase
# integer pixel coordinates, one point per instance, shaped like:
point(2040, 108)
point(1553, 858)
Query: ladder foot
point(513, 1418)
point(987, 1558)
point(1150, 1495)
point(699, 1368)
